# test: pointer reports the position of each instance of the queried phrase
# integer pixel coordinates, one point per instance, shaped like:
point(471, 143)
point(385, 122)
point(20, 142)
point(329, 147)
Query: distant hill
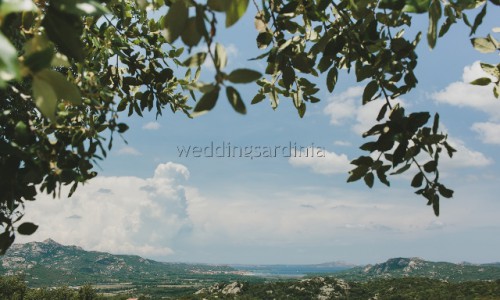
point(49, 263)
point(417, 267)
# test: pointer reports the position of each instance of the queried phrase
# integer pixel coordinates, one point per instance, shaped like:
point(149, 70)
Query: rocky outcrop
point(228, 289)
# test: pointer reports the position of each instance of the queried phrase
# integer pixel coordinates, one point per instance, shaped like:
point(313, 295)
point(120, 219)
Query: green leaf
point(63, 88)
point(235, 99)
point(85, 7)
point(417, 180)
point(301, 109)
point(331, 79)
point(481, 81)
point(478, 20)
point(206, 102)
point(39, 60)
point(65, 31)
point(22, 133)
point(264, 39)
point(258, 98)
point(491, 69)
point(445, 192)
point(14, 6)
point(383, 110)
point(9, 65)
point(6, 240)
point(302, 63)
point(449, 149)
point(363, 160)
point(45, 98)
point(195, 60)
point(122, 127)
point(288, 76)
point(219, 5)
point(175, 21)
point(220, 56)
point(435, 205)
point(27, 228)
point(402, 169)
point(483, 45)
point(417, 6)
point(357, 173)
point(392, 4)
point(435, 125)
point(434, 16)
point(369, 179)
point(430, 166)
point(243, 76)
point(235, 11)
point(370, 91)
point(190, 36)
point(382, 176)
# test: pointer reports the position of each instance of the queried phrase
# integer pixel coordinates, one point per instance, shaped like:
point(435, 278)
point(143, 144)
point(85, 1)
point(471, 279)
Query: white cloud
point(128, 150)
point(343, 107)
point(464, 157)
point(346, 107)
point(342, 143)
point(489, 132)
point(151, 126)
point(119, 214)
point(464, 94)
point(324, 163)
point(162, 217)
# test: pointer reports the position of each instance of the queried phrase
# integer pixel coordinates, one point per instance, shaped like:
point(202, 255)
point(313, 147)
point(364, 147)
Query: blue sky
point(149, 201)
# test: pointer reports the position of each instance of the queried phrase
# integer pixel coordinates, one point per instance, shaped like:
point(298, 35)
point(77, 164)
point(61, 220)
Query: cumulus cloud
point(151, 126)
point(128, 150)
point(134, 215)
point(343, 107)
point(464, 94)
point(323, 162)
point(163, 217)
point(464, 157)
point(346, 108)
point(489, 132)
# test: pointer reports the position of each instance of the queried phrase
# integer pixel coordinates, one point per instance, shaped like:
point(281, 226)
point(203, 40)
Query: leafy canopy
point(68, 68)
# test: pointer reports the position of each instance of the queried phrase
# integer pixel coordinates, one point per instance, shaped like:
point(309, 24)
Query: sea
point(289, 270)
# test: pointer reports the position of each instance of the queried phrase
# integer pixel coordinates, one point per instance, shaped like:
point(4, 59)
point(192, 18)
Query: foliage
point(14, 288)
point(55, 265)
point(402, 288)
point(332, 288)
point(68, 69)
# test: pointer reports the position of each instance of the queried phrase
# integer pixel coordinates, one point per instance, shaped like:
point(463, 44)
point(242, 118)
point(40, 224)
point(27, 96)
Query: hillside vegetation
point(51, 271)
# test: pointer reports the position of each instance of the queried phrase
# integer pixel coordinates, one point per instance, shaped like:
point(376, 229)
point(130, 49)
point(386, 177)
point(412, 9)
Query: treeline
point(15, 288)
point(380, 289)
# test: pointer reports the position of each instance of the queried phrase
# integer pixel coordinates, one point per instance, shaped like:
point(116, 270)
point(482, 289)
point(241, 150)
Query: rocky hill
point(321, 288)
point(49, 263)
point(417, 267)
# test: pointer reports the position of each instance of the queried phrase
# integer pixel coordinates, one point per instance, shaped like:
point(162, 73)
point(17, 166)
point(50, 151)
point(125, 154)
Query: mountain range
point(49, 263)
point(418, 267)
